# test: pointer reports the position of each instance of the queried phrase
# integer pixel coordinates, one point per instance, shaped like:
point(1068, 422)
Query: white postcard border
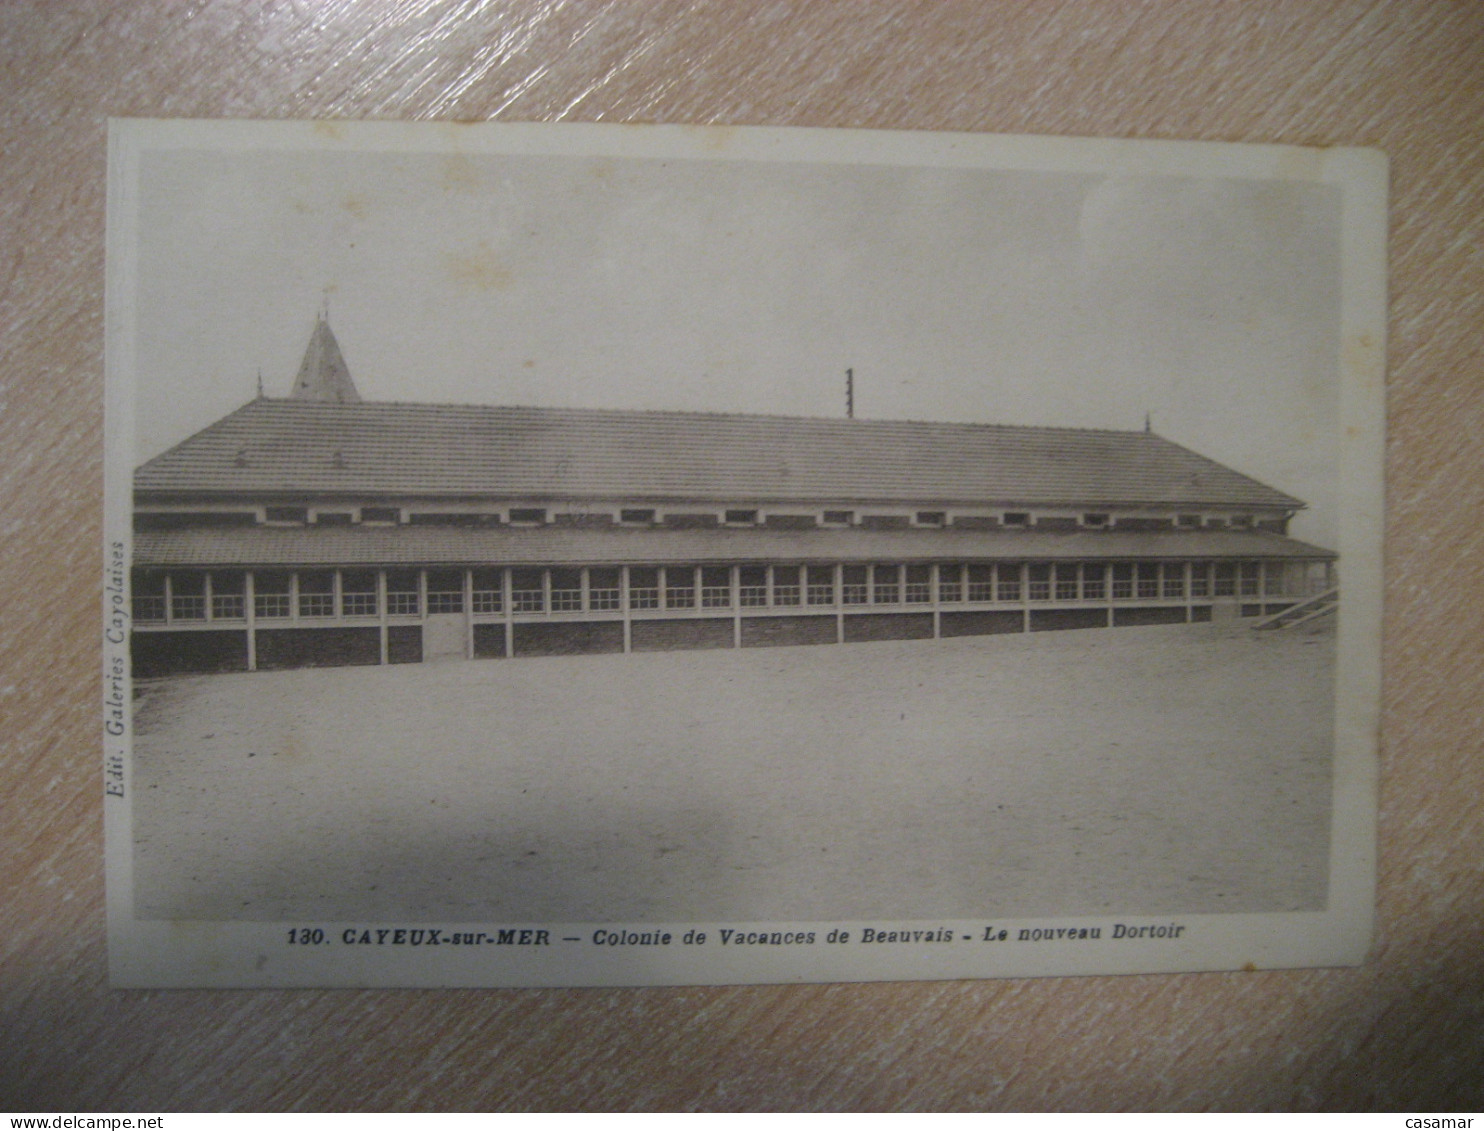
point(239, 954)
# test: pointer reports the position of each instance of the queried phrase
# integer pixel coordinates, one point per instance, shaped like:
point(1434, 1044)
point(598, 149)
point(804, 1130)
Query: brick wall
point(1051, 620)
point(187, 653)
point(981, 623)
point(578, 638)
point(489, 641)
point(1128, 617)
point(317, 647)
point(772, 632)
point(675, 635)
point(404, 644)
point(888, 626)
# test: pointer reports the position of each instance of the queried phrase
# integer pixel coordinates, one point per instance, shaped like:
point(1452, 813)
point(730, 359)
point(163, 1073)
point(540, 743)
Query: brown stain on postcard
point(458, 174)
point(478, 269)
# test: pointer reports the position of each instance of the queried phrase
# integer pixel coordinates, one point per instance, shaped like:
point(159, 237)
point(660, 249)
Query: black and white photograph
point(622, 555)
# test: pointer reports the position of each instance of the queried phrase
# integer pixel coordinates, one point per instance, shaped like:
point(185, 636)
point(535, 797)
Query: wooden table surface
point(1404, 1031)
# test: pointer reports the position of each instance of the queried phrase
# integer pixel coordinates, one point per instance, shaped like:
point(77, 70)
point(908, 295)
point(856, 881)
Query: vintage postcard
point(573, 555)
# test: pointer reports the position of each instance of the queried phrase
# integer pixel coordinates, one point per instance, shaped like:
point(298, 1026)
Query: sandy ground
point(1141, 770)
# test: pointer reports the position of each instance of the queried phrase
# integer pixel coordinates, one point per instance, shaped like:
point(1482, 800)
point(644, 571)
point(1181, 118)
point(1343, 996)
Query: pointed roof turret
point(323, 375)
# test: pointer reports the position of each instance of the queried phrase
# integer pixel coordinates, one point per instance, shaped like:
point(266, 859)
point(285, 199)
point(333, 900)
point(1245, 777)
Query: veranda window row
point(320, 594)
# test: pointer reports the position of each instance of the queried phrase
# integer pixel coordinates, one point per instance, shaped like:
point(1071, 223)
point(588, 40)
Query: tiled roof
point(423, 545)
point(307, 447)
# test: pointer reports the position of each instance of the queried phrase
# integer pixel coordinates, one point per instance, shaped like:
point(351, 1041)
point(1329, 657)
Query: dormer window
point(1017, 518)
point(741, 518)
point(528, 516)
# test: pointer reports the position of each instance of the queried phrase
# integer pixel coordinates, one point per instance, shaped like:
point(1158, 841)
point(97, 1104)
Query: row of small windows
point(193, 595)
point(647, 516)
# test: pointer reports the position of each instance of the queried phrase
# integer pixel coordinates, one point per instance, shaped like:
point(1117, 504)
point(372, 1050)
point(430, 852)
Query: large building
point(321, 529)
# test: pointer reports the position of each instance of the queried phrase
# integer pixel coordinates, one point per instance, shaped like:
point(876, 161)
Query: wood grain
point(1404, 1031)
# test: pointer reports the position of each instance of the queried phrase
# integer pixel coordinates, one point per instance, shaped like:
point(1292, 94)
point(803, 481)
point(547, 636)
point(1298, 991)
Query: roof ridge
point(300, 405)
